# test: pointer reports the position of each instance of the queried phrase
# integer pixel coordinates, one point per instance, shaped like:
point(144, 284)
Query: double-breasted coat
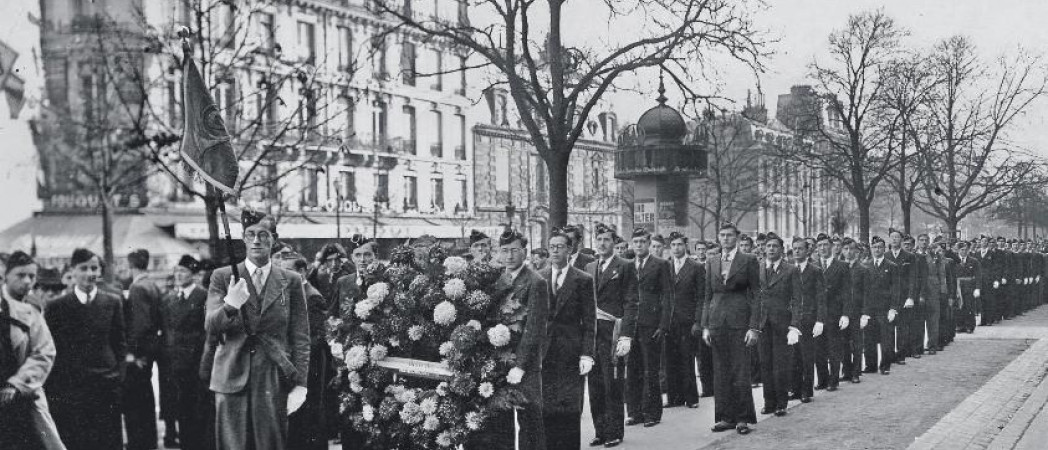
point(569, 336)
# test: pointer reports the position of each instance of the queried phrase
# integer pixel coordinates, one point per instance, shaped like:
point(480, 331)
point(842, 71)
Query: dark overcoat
point(570, 334)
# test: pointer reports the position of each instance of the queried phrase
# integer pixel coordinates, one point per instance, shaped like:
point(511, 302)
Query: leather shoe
point(743, 428)
point(856, 380)
point(671, 405)
point(885, 372)
point(633, 421)
point(706, 394)
point(901, 362)
point(780, 412)
point(691, 405)
point(805, 399)
point(831, 388)
point(651, 423)
point(722, 426)
point(767, 410)
point(612, 443)
point(820, 387)
point(596, 442)
point(931, 352)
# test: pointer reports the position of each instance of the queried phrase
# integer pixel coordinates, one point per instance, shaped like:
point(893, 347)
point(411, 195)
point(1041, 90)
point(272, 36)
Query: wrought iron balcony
point(634, 161)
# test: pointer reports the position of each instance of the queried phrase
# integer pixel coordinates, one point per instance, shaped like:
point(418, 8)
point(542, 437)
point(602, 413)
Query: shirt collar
point(188, 290)
point(574, 256)
point(251, 268)
point(6, 293)
point(877, 261)
point(513, 274)
point(139, 277)
point(774, 265)
point(730, 256)
point(802, 265)
point(85, 297)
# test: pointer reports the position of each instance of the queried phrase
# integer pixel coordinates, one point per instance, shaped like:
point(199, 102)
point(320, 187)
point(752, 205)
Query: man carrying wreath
point(525, 299)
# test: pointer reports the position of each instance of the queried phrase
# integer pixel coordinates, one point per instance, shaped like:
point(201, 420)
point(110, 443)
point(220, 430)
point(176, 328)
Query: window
point(463, 13)
point(437, 149)
point(350, 131)
point(345, 49)
point(378, 57)
point(460, 147)
point(407, 64)
point(266, 31)
point(438, 194)
point(382, 188)
point(174, 104)
point(225, 99)
point(266, 105)
point(410, 143)
point(438, 70)
point(378, 125)
point(501, 176)
point(407, 8)
point(271, 186)
point(462, 76)
point(93, 90)
point(410, 192)
point(541, 183)
point(310, 181)
point(229, 32)
point(348, 186)
point(307, 41)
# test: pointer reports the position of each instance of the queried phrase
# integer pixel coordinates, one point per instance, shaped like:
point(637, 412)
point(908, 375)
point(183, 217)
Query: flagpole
point(230, 253)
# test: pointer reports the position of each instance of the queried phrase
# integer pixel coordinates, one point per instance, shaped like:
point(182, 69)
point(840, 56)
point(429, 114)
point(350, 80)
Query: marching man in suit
point(808, 321)
point(853, 332)
point(183, 312)
point(780, 291)
point(731, 321)
point(681, 346)
point(615, 284)
point(262, 359)
point(655, 307)
point(969, 286)
point(831, 348)
point(882, 300)
point(570, 342)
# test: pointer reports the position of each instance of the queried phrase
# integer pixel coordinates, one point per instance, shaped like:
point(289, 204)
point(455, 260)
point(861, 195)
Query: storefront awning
point(56, 236)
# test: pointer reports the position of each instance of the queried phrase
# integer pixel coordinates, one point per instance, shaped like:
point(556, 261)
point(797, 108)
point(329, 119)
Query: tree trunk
point(557, 165)
point(107, 239)
point(907, 213)
point(863, 206)
point(951, 226)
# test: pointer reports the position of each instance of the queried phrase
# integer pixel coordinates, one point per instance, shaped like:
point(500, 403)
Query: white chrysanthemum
point(454, 265)
point(474, 420)
point(394, 342)
point(444, 439)
point(431, 423)
point(378, 292)
point(429, 406)
point(478, 300)
point(356, 387)
point(363, 308)
point(379, 352)
point(354, 377)
point(444, 314)
point(356, 357)
point(455, 288)
point(474, 324)
point(446, 348)
point(486, 389)
point(415, 332)
point(411, 414)
point(499, 335)
point(368, 412)
point(442, 389)
point(336, 350)
point(405, 396)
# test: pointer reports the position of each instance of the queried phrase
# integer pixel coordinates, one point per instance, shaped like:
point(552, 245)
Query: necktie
point(257, 279)
point(181, 296)
point(640, 265)
point(556, 280)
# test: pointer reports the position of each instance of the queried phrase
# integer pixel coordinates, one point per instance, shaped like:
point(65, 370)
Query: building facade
point(343, 122)
point(512, 183)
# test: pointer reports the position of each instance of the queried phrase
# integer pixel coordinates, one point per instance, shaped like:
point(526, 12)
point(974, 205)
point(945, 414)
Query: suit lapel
point(734, 265)
point(565, 292)
point(777, 275)
point(274, 290)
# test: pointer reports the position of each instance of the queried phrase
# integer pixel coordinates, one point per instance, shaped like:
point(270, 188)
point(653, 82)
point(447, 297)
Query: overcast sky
point(801, 27)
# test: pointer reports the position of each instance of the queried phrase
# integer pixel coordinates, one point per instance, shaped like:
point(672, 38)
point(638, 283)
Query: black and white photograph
point(523, 224)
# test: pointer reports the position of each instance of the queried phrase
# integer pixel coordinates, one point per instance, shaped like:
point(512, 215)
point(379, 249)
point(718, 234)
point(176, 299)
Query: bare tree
point(556, 83)
point(970, 164)
point(908, 88)
point(846, 121)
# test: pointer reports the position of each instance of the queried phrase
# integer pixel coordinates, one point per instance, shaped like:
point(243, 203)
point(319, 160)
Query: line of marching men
point(793, 316)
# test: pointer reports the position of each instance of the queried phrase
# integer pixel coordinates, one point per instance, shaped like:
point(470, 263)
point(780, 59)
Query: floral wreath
point(432, 307)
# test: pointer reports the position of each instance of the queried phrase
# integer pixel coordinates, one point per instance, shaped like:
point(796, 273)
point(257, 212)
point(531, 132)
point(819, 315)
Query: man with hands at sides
point(808, 320)
point(780, 292)
point(570, 341)
point(615, 288)
point(655, 307)
point(881, 302)
point(731, 320)
point(261, 325)
point(831, 348)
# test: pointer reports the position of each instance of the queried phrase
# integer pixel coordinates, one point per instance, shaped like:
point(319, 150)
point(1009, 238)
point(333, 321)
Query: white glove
point(515, 375)
point(623, 347)
point(793, 336)
point(976, 293)
point(1037, 279)
point(1004, 281)
point(891, 315)
point(843, 323)
point(238, 295)
point(816, 331)
point(863, 321)
point(908, 304)
point(706, 337)
point(996, 285)
point(585, 365)
point(296, 398)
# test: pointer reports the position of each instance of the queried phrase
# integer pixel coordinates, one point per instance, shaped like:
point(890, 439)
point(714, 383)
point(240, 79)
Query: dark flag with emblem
point(205, 141)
